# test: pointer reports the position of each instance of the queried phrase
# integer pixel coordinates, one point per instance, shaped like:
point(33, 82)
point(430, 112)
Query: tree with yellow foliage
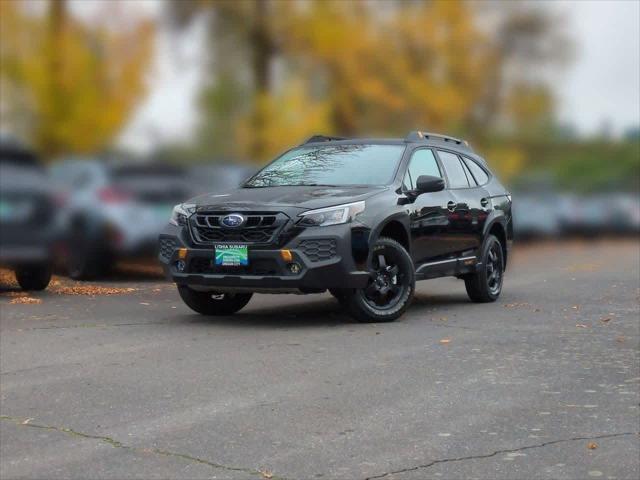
point(67, 87)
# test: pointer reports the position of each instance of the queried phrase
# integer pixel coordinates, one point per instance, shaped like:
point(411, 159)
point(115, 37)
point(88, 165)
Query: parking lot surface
point(118, 379)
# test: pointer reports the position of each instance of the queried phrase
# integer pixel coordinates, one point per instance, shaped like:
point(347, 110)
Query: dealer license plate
point(232, 255)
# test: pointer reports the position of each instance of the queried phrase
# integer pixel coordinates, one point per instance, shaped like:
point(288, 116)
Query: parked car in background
point(625, 213)
point(535, 216)
point(207, 178)
point(28, 226)
point(114, 210)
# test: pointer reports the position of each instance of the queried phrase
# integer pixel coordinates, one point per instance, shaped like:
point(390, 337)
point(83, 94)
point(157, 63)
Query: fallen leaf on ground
point(90, 290)
point(592, 445)
point(582, 325)
point(25, 300)
point(620, 339)
point(605, 320)
point(266, 474)
point(26, 422)
point(144, 303)
point(445, 341)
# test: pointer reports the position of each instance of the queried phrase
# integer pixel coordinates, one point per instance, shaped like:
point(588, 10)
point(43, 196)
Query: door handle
point(451, 206)
point(484, 202)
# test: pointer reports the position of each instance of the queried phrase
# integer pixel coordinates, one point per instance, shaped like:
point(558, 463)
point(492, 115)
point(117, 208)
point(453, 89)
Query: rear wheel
point(213, 303)
point(33, 277)
point(390, 288)
point(486, 284)
point(87, 259)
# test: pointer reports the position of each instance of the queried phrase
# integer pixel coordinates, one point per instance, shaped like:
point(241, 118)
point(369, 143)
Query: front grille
point(319, 249)
point(167, 246)
point(258, 228)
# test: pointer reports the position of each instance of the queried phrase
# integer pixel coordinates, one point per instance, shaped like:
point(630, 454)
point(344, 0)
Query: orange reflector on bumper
point(182, 253)
point(286, 255)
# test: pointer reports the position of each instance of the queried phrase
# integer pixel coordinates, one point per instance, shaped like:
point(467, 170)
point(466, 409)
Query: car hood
point(274, 198)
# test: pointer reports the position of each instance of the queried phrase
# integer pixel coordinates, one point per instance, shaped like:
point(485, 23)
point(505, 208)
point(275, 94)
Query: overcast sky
point(601, 84)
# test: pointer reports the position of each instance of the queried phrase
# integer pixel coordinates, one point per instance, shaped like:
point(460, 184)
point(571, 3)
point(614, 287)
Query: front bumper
point(267, 270)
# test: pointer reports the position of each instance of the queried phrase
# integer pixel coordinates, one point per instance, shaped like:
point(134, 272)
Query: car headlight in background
point(323, 217)
point(180, 214)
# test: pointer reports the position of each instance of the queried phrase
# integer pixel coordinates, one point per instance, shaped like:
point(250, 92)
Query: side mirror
point(428, 183)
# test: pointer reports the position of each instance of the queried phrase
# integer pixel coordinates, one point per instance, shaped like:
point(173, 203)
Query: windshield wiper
point(309, 185)
point(290, 185)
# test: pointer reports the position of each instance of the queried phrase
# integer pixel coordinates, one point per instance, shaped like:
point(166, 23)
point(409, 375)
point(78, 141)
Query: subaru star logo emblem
point(233, 220)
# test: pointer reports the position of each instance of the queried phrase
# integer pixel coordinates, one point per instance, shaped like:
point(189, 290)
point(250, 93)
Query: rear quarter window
point(477, 171)
point(454, 169)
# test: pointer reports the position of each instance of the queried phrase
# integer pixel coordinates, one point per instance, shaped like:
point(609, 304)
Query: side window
point(422, 162)
point(478, 172)
point(455, 171)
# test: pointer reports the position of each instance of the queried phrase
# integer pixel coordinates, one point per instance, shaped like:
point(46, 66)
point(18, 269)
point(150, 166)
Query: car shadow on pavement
point(323, 311)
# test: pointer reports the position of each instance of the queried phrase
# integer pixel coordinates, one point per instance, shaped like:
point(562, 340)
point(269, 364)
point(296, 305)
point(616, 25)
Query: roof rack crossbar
point(420, 135)
point(322, 138)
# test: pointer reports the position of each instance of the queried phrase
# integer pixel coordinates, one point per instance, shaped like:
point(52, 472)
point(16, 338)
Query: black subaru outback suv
point(362, 218)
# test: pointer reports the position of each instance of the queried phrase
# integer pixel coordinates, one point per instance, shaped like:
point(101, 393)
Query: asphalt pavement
point(118, 379)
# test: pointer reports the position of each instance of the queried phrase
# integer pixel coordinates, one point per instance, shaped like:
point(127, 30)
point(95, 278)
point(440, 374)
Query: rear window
point(21, 158)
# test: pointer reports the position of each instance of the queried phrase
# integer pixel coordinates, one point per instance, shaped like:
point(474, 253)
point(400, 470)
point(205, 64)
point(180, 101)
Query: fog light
point(286, 255)
point(294, 268)
point(180, 265)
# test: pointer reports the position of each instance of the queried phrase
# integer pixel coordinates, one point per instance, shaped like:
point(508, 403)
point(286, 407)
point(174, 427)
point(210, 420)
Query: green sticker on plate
point(232, 255)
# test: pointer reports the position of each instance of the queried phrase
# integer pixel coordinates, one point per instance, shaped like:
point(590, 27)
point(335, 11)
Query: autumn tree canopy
point(65, 86)
point(282, 70)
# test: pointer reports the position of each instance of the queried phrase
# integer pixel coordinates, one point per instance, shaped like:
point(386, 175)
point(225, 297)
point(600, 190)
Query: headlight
point(331, 215)
point(180, 214)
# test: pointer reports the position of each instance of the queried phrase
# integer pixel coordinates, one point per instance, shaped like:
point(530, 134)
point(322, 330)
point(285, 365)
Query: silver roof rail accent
point(418, 135)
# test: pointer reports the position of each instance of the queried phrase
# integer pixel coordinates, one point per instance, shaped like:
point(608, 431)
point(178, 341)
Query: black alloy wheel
point(391, 284)
point(485, 284)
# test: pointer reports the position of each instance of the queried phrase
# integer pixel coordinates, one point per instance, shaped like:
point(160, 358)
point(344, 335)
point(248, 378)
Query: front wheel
point(486, 284)
point(33, 277)
point(213, 303)
point(390, 287)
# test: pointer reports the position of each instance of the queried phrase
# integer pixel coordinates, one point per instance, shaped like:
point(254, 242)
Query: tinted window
point(479, 174)
point(341, 164)
point(455, 171)
point(423, 162)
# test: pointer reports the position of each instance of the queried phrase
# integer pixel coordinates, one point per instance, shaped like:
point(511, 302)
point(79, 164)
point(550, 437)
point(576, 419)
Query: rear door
point(468, 212)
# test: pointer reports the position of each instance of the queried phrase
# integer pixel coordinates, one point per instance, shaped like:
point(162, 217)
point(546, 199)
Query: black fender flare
point(399, 217)
point(497, 217)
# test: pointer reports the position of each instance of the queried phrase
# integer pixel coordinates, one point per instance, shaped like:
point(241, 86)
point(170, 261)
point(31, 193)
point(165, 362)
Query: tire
point(486, 284)
point(388, 295)
point(340, 294)
point(208, 303)
point(87, 259)
point(33, 277)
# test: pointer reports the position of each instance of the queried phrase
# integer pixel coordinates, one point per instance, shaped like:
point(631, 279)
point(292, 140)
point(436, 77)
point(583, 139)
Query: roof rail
point(419, 135)
point(322, 138)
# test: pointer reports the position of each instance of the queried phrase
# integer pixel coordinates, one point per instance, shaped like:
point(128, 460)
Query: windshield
point(331, 165)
